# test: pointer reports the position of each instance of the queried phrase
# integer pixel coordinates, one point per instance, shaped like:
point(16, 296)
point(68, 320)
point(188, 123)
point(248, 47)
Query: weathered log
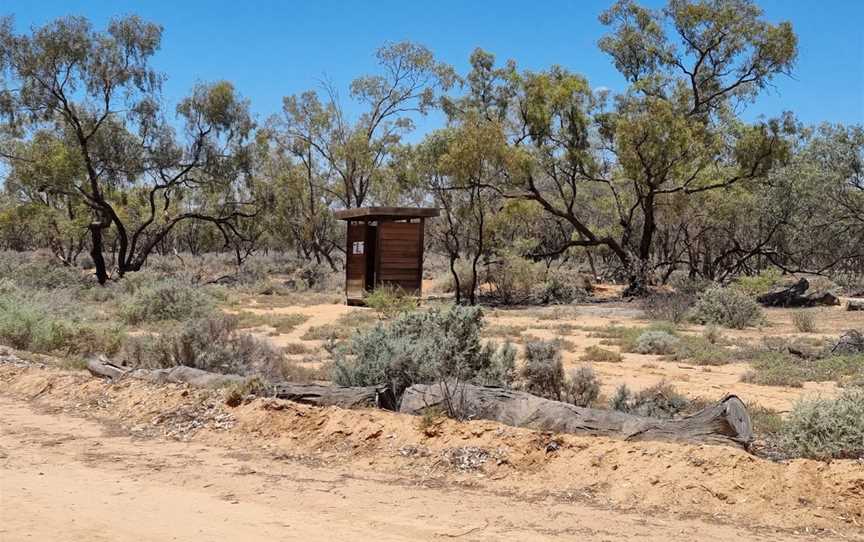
point(323, 395)
point(797, 295)
point(101, 366)
point(850, 343)
point(181, 374)
point(726, 422)
point(855, 305)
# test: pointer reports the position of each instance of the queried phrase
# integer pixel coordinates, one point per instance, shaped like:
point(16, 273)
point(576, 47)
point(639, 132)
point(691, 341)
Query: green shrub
point(596, 353)
point(656, 342)
point(46, 323)
point(212, 344)
point(701, 351)
point(422, 347)
point(390, 301)
point(543, 371)
point(755, 285)
point(775, 369)
point(513, 279)
point(826, 428)
point(40, 274)
point(729, 307)
point(167, 300)
point(562, 287)
point(581, 387)
point(804, 321)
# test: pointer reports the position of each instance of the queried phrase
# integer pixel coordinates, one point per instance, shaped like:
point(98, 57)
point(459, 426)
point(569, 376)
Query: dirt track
point(69, 478)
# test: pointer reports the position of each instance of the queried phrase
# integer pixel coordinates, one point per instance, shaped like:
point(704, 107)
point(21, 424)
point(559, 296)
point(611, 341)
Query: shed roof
point(378, 213)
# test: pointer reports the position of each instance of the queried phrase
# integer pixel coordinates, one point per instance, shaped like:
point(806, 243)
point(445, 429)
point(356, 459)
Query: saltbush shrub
point(212, 344)
point(729, 307)
point(597, 353)
point(423, 347)
point(826, 428)
point(656, 342)
point(513, 279)
point(543, 371)
point(581, 387)
point(166, 300)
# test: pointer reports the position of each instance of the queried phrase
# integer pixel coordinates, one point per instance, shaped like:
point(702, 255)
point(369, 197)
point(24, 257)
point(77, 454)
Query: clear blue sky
point(271, 49)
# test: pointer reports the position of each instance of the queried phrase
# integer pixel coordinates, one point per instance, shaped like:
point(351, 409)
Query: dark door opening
point(371, 249)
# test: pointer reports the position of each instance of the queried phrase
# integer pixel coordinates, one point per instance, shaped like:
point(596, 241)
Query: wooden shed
point(384, 248)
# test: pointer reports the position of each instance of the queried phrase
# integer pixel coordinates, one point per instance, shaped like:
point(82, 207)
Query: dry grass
point(596, 353)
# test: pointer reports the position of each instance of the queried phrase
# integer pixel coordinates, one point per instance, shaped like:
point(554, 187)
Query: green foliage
point(390, 301)
point(656, 342)
point(543, 371)
point(755, 285)
point(46, 322)
point(423, 347)
point(781, 369)
point(581, 387)
point(826, 428)
point(211, 344)
point(775, 369)
point(165, 300)
point(727, 307)
point(596, 353)
point(701, 351)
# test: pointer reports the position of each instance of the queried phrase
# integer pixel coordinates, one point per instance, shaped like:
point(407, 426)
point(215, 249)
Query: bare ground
point(84, 460)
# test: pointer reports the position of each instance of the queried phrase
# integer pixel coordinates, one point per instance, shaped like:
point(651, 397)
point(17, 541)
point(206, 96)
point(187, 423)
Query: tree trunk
point(324, 395)
point(726, 422)
point(96, 249)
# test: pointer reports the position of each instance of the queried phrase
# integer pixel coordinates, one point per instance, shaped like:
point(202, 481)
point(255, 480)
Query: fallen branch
point(726, 422)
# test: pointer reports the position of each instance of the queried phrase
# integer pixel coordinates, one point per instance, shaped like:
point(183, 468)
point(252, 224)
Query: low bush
point(656, 342)
point(39, 273)
point(700, 351)
point(596, 353)
point(212, 344)
point(669, 307)
point(46, 323)
point(390, 301)
point(781, 369)
point(543, 371)
point(804, 321)
point(423, 347)
point(166, 300)
point(581, 387)
point(513, 279)
point(729, 307)
point(826, 428)
point(659, 401)
point(562, 287)
point(755, 285)
point(775, 369)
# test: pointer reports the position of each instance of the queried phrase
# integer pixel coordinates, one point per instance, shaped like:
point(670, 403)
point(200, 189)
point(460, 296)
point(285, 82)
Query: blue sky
point(271, 49)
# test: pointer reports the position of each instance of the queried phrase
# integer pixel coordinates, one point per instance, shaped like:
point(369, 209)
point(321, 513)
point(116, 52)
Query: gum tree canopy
point(612, 167)
point(137, 173)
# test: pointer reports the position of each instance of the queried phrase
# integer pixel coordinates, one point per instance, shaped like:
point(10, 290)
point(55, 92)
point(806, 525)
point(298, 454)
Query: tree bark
point(726, 422)
point(324, 395)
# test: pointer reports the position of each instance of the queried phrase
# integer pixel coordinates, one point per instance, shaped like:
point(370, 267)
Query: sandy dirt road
point(67, 478)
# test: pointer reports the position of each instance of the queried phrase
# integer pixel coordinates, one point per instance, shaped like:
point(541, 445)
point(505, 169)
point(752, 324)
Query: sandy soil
point(81, 459)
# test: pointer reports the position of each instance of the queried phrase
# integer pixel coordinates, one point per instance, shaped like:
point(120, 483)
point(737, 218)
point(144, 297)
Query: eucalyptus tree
point(611, 167)
point(348, 158)
point(141, 176)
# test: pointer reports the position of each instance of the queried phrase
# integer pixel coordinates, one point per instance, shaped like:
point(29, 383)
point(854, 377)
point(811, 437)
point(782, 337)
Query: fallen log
point(797, 295)
point(855, 305)
point(324, 395)
point(726, 422)
point(181, 374)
